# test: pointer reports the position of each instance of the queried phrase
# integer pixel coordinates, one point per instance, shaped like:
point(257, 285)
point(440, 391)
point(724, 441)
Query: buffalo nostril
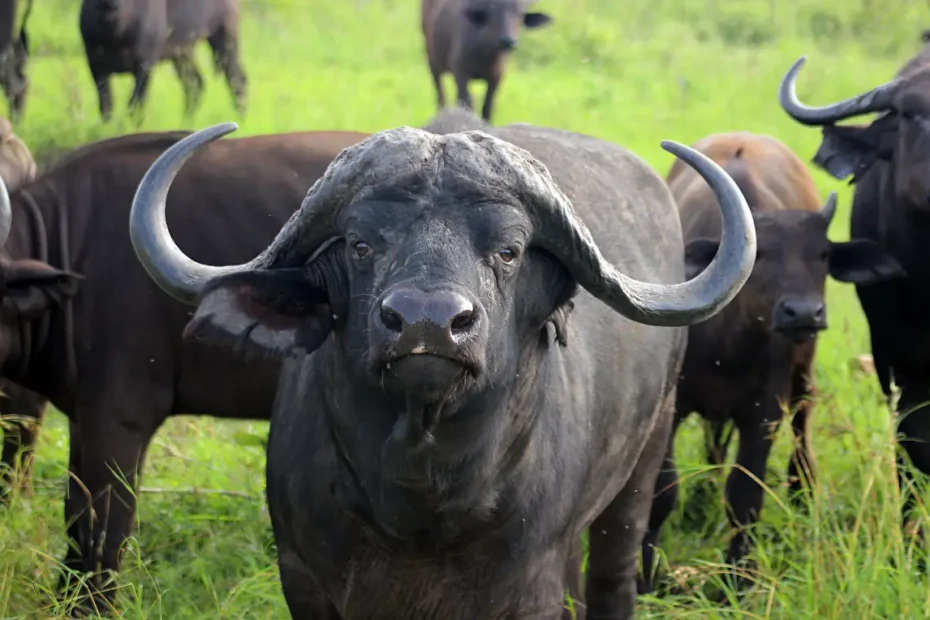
point(391, 319)
point(507, 43)
point(462, 321)
point(789, 311)
point(819, 313)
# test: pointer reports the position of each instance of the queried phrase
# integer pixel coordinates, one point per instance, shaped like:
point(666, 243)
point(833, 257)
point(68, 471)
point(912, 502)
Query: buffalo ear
point(535, 20)
point(852, 149)
point(264, 312)
point(34, 287)
point(863, 262)
point(698, 255)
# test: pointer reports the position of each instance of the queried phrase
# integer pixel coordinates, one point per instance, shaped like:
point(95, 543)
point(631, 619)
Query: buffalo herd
point(474, 343)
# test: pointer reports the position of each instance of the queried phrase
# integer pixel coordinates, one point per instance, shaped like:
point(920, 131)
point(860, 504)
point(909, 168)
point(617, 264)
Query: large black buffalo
point(753, 362)
point(14, 52)
point(111, 358)
point(475, 370)
point(132, 36)
point(890, 163)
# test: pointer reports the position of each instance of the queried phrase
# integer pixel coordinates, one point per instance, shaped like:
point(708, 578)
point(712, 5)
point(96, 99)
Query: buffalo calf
point(132, 36)
point(754, 359)
point(472, 39)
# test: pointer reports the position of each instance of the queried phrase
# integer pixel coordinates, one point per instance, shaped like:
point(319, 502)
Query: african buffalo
point(14, 52)
point(21, 408)
point(453, 410)
point(112, 359)
point(890, 163)
point(472, 39)
point(132, 36)
point(753, 360)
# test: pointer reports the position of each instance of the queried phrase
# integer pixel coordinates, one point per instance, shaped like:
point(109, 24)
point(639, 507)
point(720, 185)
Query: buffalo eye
point(477, 16)
point(507, 255)
point(908, 115)
point(361, 249)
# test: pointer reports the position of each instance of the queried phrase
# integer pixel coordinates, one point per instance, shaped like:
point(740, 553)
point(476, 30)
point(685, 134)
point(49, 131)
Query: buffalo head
point(785, 293)
point(494, 25)
point(431, 261)
point(900, 135)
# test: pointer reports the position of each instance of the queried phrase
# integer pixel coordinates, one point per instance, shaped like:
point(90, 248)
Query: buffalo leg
point(663, 504)
point(226, 57)
point(303, 595)
point(488, 105)
point(616, 535)
point(19, 435)
point(104, 94)
point(191, 80)
point(464, 97)
point(140, 90)
point(108, 451)
point(440, 91)
point(744, 495)
point(574, 581)
point(914, 426)
point(801, 465)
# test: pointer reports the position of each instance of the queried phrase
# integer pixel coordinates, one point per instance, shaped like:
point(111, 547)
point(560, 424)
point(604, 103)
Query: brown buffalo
point(132, 36)
point(472, 39)
point(754, 359)
point(107, 350)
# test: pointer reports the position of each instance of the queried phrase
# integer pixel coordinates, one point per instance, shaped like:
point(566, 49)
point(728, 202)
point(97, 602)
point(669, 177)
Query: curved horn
point(828, 210)
point(6, 213)
point(563, 234)
point(876, 100)
point(176, 273)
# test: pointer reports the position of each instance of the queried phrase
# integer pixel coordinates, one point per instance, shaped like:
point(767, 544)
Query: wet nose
point(507, 43)
point(438, 316)
point(800, 313)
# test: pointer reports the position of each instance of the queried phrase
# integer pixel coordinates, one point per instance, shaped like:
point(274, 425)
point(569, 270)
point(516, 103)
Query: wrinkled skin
point(472, 40)
point(754, 359)
point(132, 36)
point(454, 410)
point(889, 159)
point(14, 53)
point(58, 327)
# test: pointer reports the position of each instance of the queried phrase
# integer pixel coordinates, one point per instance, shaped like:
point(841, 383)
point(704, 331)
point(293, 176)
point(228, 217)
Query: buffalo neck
point(39, 232)
point(469, 478)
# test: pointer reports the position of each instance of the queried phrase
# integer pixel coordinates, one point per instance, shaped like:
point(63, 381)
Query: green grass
point(632, 71)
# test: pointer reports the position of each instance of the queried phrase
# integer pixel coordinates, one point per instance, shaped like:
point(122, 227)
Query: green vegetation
point(631, 71)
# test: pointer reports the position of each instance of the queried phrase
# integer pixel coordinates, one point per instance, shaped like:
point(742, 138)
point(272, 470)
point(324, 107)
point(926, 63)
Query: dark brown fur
point(472, 40)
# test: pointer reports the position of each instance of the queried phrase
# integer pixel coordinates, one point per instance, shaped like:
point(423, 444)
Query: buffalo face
point(901, 135)
point(431, 263)
point(494, 25)
point(785, 293)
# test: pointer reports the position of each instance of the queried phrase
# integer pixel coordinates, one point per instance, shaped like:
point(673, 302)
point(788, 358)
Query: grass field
point(631, 71)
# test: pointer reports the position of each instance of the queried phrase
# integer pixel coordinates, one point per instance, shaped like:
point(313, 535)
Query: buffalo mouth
point(800, 335)
point(431, 376)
